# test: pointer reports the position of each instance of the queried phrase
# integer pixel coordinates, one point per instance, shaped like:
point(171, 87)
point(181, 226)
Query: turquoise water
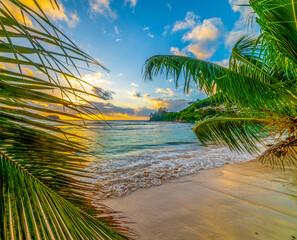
point(124, 138)
point(141, 154)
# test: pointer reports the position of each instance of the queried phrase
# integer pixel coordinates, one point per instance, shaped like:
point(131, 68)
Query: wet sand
point(242, 201)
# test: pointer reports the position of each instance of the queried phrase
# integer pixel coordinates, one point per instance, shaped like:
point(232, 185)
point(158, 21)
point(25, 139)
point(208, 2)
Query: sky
point(123, 34)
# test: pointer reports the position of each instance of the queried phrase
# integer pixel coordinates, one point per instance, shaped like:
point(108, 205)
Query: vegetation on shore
point(261, 78)
point(199, 110)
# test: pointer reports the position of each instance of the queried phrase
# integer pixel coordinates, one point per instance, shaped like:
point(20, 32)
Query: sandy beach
point(241, 201)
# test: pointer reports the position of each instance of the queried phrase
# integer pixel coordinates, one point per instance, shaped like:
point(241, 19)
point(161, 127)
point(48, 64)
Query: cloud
point(150, 35)
point(61, 14)
point(244, 11)
point(120, 75)
point(102, 7)
point(166, 28)
point(134, 84)
point(143, 112)
point(177, 52)
point(147, 29)
point(202, 50)
point(132, 2)
point(28, 71)
point(208, 30)
point(241, 25)
point(73, 20)
point(188, 22)
point(109, 109)
point(173, 105)
point(160, 90)
point(223, 63)
point(169, 6)
point(116, 30)
point(233, 36)
point(95, 78)
point(203, 37)
point(136, 94)
point(168, 91)
point(103, 94)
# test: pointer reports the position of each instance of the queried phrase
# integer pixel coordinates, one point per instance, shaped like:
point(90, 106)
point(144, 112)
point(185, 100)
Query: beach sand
point(242, 201)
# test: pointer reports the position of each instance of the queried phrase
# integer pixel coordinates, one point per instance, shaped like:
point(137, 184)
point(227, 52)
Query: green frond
point(239, 87)
point(42, 167)
point(260, 58)
point(261, 79)
point(277, 19)
point(31, 210)
point(247, 56)
point(240, 134)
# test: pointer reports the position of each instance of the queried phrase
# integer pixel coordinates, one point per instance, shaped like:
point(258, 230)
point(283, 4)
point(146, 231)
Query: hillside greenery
point(196, 111)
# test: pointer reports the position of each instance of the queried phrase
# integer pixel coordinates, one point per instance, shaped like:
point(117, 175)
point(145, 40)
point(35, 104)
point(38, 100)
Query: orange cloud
point(28, 71)
point(52, 11)
point(167, 91)
point(114, 116)
point(170, 104)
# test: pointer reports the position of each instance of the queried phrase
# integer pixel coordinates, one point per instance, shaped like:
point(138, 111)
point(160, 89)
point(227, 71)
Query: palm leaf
point(278, 21)
point(247, 56)
point(29, 209)
point(257, 55)
point(243, 88)
point(280, 154)
point(261, 79)
point(240, 134)
point(43, 194)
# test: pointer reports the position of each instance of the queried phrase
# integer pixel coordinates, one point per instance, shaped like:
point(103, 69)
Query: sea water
point(140, 154)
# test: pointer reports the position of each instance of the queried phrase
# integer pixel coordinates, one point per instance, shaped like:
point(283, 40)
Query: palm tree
point(260, 80)
point(41, 196)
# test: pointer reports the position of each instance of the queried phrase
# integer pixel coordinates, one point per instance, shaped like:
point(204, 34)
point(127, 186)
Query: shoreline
point(245, 200)
point(176, 121)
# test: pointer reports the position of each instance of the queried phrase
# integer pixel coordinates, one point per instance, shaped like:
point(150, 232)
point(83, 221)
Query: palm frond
point(43, 194)
point(29, 209)
point(261, 79)
point(277, 19)
point(282, 154)
point(248, 56)
point(243, 88)
point(240, 134)
point(258, 56)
